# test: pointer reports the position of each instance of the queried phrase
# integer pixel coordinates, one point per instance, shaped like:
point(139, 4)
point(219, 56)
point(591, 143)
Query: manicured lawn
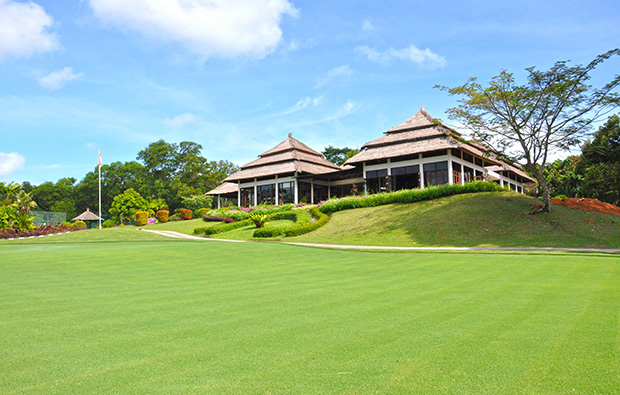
point(209, 317)
point(186, 227)
point(119, 233)
point(484, 219)
point(247, 232)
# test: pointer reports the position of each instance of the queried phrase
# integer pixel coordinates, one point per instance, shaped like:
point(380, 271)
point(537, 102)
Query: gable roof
point(289, 156)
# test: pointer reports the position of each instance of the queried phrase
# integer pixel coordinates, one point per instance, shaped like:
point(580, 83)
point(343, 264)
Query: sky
point(237, 76)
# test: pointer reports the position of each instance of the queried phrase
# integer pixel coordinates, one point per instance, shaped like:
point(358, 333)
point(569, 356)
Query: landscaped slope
point(483, 219)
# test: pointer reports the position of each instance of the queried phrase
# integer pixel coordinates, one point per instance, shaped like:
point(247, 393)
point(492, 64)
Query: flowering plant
point(151, 221)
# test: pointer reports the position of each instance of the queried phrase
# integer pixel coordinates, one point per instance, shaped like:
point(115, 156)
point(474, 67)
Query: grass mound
point(483, 219)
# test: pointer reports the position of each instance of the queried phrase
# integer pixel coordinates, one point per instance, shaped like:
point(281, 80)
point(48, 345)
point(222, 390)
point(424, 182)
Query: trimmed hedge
point(211, 230)
point(141, 218)
point(162, 216)
point(301, 226)
point(210, 218)
point(407, 196)
point(185, 214)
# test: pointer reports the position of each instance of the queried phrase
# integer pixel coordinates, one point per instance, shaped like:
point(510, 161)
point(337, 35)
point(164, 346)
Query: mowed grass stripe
point(195, 317)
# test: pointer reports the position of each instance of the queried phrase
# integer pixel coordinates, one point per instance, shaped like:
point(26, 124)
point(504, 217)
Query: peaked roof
point(223, 189)
point(87, 216)
point(289, 156)
point(420, 120)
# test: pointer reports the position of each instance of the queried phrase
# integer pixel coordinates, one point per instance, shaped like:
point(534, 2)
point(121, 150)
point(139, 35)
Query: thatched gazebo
point(88, 217)
point(227, 190)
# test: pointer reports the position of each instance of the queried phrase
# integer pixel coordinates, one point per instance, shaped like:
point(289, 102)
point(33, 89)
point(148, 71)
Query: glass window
point(468, 158)
point(377, 181)
point(456, 152)
point(286, 192)
point(266, 194)
point(478, 161)
point(304, 192)
point(468, 173)
point(436, 173)
point(247, 197)
point(320, 193)
point(435, 153)
point(407, 177)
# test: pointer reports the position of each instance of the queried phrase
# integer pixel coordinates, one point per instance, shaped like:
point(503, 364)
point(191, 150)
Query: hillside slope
point(492, 219)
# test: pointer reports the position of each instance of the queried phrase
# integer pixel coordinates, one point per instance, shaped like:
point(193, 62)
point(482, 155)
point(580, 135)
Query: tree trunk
point(544, 188)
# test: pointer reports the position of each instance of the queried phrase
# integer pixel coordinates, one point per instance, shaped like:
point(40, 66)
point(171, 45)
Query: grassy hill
point(484, 219)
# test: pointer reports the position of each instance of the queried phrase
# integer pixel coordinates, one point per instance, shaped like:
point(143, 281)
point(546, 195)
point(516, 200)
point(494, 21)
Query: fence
point(48, 217)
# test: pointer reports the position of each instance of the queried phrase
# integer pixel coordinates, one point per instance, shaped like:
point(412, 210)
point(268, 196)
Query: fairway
point(213, 317)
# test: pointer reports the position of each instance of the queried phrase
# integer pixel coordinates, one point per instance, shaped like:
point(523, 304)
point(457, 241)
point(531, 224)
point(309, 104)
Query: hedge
point(210, 218)
point(211, 230)
point(407, 196)
point(300, 229)
point(162, 216)
point(185, 214)
point(301, 226)
point(141, 218)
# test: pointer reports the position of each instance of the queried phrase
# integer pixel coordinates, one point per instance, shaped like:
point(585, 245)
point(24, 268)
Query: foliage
point(600, 164)
point(185, 214)
point(196, 202)
point(15, 205)
point(210, 218)
point(258, 219)
point(563, 177)
point(79, 224)
point(126, 204)
point(301, 225)
point(210, 230)
point(42, 230)
point(151, 221)
point(162, 216)
point(201, 212)
point(174, 217)
point(553, 110)
point(108, 223)
point(339, 155)
point(141, 218)
point(560, 197)
point(406, 196)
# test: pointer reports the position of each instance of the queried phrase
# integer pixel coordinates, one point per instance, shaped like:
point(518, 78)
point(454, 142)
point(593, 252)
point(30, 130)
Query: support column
point(239, 193)
point(450, 168)
point(295, 182)
point(219, 201)
point(364, 177)
point(277, 192)
point(311, 191)
point(329, 192)
point(421, 172)
point(255, 195)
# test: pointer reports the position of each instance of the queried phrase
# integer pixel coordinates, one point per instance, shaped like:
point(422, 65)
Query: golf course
point(126, 311)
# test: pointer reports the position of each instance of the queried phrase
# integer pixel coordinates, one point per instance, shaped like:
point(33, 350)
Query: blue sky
point(236, 76)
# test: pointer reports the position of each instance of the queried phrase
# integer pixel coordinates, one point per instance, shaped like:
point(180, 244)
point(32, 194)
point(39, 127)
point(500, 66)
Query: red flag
point(99, 158)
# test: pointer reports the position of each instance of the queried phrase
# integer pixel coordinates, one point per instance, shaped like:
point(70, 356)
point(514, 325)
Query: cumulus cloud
point(58, 79)
point(367, 26)
point(421, 57)
point(10, 163)
point(25, 29)
point(181, 120)
point(342, 71)
point(225, 28)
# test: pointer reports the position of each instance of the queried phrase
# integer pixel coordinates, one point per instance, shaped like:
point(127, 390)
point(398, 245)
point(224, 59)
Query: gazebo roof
point(87, 216)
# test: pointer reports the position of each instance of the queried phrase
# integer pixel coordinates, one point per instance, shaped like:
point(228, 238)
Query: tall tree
point(339, 155)
point(553, 110)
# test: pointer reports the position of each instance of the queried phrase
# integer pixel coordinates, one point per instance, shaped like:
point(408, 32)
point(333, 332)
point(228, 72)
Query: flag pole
point(99, 189)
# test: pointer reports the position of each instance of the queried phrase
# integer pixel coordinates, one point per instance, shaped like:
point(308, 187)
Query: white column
point(421, 172)
point(239, 193)
point(296, 192)
point(219, 202)
point(450, 168)
point(255, 194)
point(277, 193)
point(364, 177)
point(311, 191)
point(329, 192)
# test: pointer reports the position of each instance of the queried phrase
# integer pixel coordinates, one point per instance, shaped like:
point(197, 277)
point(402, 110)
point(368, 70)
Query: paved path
point(381, 248)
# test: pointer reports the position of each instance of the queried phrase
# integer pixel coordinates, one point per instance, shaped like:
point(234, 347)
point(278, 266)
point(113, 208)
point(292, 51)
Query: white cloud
point(10, 163)
point(347, 109)
point(181, 120)
point(300, 105)
point(25, 29)
point(224, 28)
point(367, 26)
point(422, 57)
point(342, 71)
point(58, 79)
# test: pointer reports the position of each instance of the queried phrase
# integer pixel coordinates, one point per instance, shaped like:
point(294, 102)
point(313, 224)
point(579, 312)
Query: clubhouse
point(415, 154)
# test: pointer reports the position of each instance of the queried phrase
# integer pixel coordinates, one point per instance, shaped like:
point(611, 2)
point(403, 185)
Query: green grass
point(120, 233)
point(247, 232)
point(208, 317)
point(186, 227)
point(483, 219)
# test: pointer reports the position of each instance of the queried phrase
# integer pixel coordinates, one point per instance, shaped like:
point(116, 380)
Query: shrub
point(201, 212)
point(141, 218)
point(561, 197)
point(108, 223)
point(211, 230)
point(174, 217)
point(298, 229)
point(66, 223)
point(151, 221)
point(209, 218)
point(42, 230)
point(301, 219)
point(79, 224)
point(407, 196)
point(162, 216)
point(258, 219)
point(185, 214)
point(267, 232)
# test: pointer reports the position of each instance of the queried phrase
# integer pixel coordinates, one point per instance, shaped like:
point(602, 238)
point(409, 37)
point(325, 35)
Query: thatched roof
point(514, 169)
point(224, 189)
point(420, 120)
point(87, 216)
point(289, 157)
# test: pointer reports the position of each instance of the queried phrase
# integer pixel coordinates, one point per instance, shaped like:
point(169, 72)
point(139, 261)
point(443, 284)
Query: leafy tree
point(600, 164)
point(217, 172)
point(196, 202)
point(563, 177)
point(48, 193)
point(339, 155)
point(126, 204)
point(553, 110)
point(15, 205)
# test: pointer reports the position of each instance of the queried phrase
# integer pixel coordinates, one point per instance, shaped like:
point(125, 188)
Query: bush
point(210, 218)
point(185, 214)
point(162, 216)
point(407, 196)
point(108, 223)
point(201, 212)
point(299, 229)
point(258, 219)
point(66, 223)
point(141, 218)
point(561, 197)
point(211, 230)
point(301, 219)
point(79, 224)
point(174, 217)
point(267, 232)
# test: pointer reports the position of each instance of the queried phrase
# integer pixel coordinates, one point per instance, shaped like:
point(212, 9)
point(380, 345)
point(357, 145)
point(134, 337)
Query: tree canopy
point(553, 110)
point(339, 155)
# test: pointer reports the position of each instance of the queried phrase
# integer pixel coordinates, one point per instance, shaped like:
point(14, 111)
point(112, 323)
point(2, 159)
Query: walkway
point(381, 248)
